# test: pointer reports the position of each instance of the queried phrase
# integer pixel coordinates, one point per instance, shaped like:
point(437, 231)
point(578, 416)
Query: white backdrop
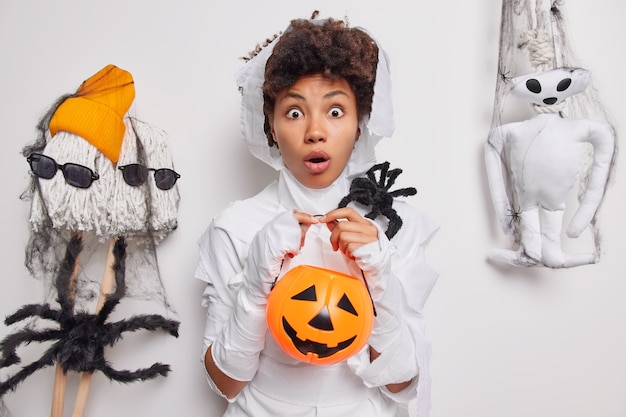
point(506, 342)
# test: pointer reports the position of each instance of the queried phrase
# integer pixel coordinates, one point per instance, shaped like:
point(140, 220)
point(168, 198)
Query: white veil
point(379, 124)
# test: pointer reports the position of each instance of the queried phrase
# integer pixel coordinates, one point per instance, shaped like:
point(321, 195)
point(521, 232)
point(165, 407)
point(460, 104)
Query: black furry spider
point(370, 192)
point(81, 337)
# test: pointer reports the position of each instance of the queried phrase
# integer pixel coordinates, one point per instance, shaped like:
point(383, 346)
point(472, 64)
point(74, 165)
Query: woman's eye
point(335, 112)
point(294, 114)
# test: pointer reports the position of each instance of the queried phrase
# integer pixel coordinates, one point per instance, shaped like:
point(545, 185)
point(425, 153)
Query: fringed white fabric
point(68, 207)
point(144, 208)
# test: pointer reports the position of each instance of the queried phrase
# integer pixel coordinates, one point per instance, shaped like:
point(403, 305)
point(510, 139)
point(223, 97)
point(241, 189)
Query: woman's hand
point(305, 220)
point(349, 230)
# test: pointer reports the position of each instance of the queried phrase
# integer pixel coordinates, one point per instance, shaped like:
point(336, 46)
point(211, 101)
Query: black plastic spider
point(370, 192)
point(80, 337)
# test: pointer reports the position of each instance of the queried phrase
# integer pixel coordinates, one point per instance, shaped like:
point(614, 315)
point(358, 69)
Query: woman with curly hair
point(315, 101)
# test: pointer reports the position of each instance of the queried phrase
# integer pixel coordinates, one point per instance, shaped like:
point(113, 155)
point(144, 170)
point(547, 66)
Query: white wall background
point(506, 342)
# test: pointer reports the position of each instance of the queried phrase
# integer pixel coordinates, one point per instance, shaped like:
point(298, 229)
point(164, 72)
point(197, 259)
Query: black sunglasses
point(136, 174)
point(75, 175)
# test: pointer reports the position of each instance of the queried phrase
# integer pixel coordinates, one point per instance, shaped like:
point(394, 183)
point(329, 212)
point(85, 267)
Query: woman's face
point(315, 124)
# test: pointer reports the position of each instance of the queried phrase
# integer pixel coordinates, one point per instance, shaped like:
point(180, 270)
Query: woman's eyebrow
point(334, 93)
point(328, 95)
point(294, 95)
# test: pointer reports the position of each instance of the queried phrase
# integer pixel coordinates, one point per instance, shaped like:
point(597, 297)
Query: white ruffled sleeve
point(404, 352)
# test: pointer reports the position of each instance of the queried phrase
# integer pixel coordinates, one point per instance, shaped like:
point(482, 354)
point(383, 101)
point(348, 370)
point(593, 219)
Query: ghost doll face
point(551, 87)
point(315, 124)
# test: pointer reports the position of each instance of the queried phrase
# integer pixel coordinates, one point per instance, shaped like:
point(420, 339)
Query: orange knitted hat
point(96, 112)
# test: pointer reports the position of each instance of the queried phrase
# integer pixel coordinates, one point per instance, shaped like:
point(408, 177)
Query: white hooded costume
point(244, 247)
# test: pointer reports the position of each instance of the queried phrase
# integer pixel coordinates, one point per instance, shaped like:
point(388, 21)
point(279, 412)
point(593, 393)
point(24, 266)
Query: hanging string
point(540, 44)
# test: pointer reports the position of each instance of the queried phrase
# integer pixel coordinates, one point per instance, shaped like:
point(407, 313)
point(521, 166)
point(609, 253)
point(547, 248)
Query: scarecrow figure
point(98, 175)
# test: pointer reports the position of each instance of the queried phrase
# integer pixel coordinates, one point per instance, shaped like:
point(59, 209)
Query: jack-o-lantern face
point(319, 316)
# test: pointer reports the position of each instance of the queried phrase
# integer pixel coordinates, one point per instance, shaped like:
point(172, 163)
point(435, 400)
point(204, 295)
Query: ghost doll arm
point(602, 138)
point(494, 154)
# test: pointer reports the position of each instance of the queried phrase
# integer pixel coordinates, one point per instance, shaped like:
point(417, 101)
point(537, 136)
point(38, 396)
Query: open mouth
point(317, 162)
point(308, 346)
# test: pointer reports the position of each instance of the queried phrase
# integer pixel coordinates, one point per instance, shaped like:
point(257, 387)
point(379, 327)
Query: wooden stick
point(80, 404)
point(60, 377)
point(106, 287)
point(58, 391)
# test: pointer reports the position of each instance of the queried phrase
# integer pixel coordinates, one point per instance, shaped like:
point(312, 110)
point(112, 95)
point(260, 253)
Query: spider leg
point(9, 344)
point(404, 192)
point(32, 310)
point(371, 173)
point(373, 214)
point(125, 376)
point(344, 201)
point(148, 322)
point(395, 222)
point(391, 177)
point(382, 167)
point(46, 360)
point(361, 190)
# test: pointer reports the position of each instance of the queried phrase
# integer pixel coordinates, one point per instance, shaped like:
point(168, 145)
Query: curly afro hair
point(327, 47)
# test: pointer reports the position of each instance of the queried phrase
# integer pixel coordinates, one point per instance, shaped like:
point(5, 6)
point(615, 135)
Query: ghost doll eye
point(564, 84)
point(533, 85)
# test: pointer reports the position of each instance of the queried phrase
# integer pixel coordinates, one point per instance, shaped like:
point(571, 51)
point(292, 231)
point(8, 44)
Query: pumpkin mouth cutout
point(307, 346)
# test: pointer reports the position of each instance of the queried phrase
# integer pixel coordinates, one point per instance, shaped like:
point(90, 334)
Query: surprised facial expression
point(315, 125)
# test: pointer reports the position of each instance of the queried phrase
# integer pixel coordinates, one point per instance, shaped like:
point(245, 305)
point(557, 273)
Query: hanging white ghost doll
point(538, 156)
point(544, 156)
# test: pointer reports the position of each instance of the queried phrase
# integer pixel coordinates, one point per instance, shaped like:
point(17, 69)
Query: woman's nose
point(315, 139)
point(315, 131)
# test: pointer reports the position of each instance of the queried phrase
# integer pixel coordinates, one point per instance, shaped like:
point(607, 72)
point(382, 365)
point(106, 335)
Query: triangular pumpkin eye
point(306, 295)
point(345, 304)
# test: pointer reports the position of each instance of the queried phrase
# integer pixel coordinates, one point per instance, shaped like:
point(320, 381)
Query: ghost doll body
point(544, 157)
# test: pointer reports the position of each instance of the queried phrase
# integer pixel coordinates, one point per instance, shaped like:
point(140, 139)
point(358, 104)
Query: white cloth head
point(380, 123)
point(555, 85)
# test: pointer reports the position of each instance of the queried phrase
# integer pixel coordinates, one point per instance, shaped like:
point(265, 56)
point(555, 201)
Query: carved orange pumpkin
point(319, 316)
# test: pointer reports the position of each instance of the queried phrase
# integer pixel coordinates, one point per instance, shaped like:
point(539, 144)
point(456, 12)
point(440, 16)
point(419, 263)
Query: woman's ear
point(272, 132)
point(358, 134)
